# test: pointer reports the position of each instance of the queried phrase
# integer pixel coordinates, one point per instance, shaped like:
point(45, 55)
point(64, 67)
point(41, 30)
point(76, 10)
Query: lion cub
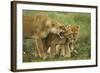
point(63, 46)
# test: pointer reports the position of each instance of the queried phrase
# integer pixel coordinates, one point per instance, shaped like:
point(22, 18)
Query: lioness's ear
point(48, 23)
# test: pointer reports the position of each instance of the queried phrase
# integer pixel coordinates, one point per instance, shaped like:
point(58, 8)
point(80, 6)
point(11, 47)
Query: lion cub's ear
point(78, 27)
point(68, 27)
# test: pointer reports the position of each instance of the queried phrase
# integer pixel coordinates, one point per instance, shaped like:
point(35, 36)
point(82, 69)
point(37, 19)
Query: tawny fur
point(39, 26)
point(63, 46)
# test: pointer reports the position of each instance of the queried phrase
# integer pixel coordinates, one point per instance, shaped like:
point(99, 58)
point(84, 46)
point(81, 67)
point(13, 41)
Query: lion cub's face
point(72, 32)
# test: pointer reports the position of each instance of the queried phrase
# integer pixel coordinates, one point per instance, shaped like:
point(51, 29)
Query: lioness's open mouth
point(61, 35)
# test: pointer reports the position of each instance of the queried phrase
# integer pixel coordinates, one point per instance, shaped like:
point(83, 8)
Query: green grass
point(82, 45)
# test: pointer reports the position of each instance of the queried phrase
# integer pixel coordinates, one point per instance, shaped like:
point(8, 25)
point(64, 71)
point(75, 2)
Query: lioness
point(63, 46)
point(39, 26)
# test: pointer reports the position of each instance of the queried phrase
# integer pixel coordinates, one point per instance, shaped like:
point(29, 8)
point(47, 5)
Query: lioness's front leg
point(53, 51)
point(40, 48)
point(63, 50)
point(67, 50)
